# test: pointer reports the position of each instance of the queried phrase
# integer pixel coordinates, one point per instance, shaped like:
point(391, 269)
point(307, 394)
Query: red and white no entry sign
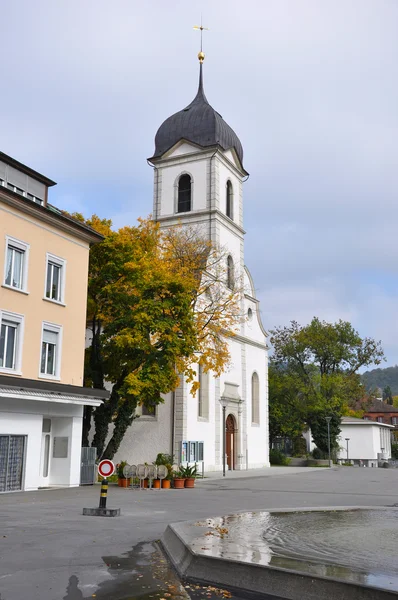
point(106, 468)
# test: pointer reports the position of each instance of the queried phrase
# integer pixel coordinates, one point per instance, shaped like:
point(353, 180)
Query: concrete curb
point(267, 582)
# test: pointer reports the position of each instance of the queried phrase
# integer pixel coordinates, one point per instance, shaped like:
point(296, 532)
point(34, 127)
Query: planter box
point(311, 462)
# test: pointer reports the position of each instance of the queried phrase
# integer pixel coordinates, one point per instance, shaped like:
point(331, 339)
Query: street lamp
point(347, 440)
point(328, 419)
point(223, 402)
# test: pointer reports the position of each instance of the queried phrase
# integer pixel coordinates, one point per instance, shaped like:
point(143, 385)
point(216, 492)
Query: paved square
point(45, 540)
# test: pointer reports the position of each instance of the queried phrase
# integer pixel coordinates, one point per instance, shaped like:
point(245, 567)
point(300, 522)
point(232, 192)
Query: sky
point(311, 89)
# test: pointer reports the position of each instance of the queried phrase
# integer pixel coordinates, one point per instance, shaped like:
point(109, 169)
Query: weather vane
point(200, 28)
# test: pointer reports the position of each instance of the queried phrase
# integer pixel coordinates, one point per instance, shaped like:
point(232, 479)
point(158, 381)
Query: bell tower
point(198, 174)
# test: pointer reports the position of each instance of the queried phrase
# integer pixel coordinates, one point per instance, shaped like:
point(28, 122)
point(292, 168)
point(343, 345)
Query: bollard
point(103, 494)
point(105, 468)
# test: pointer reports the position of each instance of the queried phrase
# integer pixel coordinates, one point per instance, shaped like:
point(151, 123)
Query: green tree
point(287, 414)
point(387, 395)
point(325, 357)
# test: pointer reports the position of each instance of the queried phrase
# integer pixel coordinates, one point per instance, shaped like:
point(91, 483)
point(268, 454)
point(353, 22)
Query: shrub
point(167, 461)
point(394, 451)
point(164, 459)
point(318, 454)
point(276, 457)
point(119, 469)
point(299, 447)
point(188, 472)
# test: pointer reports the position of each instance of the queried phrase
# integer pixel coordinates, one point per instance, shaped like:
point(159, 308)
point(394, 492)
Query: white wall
point(364, 441)
point(147, 436)
point(258, 437)
point(25, 417)
point(169, 183)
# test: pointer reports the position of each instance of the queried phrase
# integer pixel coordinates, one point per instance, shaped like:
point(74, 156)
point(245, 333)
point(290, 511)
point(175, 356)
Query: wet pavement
point(144, 573)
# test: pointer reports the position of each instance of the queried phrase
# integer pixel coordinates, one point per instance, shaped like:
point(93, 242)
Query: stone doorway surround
point(233, 426)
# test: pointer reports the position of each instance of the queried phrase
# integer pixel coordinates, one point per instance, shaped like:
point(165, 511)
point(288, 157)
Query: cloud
point(308, 86)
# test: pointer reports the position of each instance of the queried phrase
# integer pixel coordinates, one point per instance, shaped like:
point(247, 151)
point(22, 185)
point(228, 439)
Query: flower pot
point(145, 483)
point(156, 484)
point(166, 484)
point(179, 483)
point(124, 482)
point(190, 482)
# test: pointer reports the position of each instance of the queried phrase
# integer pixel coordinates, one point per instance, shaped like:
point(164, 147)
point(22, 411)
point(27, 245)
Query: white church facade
point(198, 181)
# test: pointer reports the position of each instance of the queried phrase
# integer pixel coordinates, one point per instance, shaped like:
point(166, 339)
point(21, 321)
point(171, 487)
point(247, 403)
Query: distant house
point(382, 412)
point(43, 290)
point(369, 441)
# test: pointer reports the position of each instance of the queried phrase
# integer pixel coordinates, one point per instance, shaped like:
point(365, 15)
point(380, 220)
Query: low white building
point(368, 441)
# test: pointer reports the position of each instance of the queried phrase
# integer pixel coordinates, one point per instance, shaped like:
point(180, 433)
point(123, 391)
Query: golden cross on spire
point(200, 28)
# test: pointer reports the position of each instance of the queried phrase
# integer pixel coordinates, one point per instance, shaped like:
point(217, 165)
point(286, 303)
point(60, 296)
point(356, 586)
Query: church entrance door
point(230, 427)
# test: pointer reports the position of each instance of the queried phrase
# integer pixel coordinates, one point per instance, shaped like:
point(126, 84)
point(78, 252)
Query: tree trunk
point(87, 414)
point(102, 417)
point(93, 372)
point(123, 421)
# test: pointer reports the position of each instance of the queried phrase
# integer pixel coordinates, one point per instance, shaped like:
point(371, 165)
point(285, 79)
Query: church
point(198, 182)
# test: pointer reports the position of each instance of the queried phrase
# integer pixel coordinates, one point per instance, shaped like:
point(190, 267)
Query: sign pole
point(105, 468)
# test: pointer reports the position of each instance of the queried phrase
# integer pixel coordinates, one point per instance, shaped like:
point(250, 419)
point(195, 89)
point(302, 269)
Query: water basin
point(359, 546)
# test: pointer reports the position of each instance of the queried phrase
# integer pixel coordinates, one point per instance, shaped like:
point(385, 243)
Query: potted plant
point(122, 481)
point(189, 473)
point(178, 480)
point(167, 461)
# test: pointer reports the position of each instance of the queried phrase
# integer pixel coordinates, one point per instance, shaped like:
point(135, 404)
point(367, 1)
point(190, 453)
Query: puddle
point(353, 545)
point(143, 574)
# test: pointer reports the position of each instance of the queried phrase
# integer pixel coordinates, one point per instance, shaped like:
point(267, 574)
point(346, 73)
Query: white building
point(368, 441)
point(198, 181)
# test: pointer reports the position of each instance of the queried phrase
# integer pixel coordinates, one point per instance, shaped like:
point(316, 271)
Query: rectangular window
point(394, 420)
point(55, 278)
point(380, 419)
point(10, 341)
point(16, 264)
point(148, 411)
point(50, 351)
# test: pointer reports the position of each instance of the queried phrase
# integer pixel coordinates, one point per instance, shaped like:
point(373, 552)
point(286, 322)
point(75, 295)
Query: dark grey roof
point(198, 123)
point(51, 386)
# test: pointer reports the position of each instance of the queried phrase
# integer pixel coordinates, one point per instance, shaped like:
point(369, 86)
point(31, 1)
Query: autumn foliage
point(157, 304)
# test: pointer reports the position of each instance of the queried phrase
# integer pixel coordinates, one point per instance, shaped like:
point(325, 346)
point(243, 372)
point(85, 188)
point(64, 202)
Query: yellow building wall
point(44, 238)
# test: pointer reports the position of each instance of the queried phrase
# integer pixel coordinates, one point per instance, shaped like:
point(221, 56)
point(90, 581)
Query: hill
point(380, 378)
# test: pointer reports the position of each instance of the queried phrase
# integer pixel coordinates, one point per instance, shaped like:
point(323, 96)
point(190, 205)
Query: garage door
point(12, 452)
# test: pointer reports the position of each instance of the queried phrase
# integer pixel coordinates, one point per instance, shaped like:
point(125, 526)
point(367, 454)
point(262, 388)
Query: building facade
point(43, 292)
point(382, 412)
point(198, 182)
point(364, 442)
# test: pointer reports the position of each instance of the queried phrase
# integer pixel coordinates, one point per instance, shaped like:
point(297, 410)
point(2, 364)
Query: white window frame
point(24, 247)
point(58, 353)
point(61, 262)
point(19, 320)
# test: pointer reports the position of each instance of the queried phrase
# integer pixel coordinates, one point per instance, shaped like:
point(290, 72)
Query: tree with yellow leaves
point(157, 304)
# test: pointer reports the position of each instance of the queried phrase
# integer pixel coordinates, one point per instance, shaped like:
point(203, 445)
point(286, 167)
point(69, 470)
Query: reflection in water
point(353, 545)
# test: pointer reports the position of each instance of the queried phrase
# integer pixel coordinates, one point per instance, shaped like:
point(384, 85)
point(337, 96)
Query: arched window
point(184, 194)
point(255, 399)
point(229, 211)
point(230, 272)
